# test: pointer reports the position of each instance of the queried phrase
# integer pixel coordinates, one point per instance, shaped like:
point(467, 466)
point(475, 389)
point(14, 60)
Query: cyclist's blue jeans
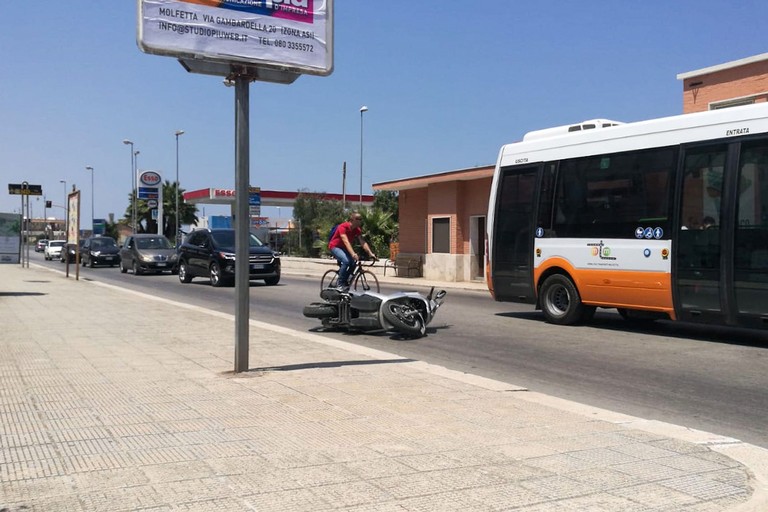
point(347, 265)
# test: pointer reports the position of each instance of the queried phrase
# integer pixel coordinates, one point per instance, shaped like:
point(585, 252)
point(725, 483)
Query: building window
point(441, 235)
point(737, 102)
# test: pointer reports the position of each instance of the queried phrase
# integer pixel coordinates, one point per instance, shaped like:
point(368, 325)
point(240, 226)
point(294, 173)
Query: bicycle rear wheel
point(366, 281)
point(330, 279)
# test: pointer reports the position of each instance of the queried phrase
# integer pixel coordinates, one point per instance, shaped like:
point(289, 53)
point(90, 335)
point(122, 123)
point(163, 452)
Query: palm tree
point(188, 213)
point(379, 229)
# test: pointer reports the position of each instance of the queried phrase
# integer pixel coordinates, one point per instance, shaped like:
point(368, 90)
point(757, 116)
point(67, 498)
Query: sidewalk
point(113, 400)
point(316, 267)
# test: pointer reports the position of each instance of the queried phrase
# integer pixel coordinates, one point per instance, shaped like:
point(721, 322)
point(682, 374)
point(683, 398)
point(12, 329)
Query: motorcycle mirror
point(440, 294)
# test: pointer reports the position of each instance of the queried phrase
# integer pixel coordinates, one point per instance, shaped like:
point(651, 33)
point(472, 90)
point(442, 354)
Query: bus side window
point(547, 214)
point(613, 195)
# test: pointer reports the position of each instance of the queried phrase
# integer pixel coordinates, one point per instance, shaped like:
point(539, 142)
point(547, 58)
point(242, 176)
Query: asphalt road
point(705, 378)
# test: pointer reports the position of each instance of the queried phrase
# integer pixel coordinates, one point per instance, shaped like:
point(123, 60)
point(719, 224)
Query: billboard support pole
point(242, 222)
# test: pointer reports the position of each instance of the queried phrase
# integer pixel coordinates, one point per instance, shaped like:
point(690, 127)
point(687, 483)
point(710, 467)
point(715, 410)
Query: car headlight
point(173, 257)
point(227, 255)
point(145, 258)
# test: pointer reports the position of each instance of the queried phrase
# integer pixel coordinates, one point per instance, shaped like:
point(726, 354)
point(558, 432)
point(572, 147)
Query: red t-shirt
point(347, 229)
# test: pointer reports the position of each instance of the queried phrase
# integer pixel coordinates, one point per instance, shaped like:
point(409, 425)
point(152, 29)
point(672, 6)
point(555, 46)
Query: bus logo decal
point(602, 251)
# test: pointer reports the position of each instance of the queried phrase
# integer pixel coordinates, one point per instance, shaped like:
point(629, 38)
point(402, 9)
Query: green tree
point(187, 212)
point(379, 229)
point(387, 201)
point(315, 216)
point(110, 229)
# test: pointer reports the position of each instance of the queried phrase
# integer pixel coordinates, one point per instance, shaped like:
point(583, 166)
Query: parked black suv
point(100, 250)
point(211, 253)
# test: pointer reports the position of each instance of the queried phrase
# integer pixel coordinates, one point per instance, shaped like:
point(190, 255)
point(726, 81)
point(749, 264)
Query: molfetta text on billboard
point(293, 34)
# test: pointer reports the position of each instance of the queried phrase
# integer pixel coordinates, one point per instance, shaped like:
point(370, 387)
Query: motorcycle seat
point(331, 294)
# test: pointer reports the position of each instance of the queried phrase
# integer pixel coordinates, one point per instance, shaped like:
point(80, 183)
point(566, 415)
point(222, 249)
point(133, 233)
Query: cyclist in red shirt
point(340, 246)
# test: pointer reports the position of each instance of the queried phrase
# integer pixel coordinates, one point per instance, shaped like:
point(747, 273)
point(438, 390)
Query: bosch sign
point(150, 178)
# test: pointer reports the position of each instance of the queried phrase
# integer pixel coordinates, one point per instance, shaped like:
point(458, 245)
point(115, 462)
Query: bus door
point(722, 254)
point(513, 235)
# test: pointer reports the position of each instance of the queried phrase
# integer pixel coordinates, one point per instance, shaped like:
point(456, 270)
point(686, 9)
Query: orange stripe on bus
point(649, 291)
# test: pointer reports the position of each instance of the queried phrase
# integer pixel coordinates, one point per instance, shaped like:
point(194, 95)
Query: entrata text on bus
point(666, 218)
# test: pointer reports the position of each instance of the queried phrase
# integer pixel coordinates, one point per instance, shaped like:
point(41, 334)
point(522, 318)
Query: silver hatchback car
point(147, 253)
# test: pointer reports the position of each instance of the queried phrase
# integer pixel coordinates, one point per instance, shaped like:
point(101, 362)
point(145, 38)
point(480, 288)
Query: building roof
point(442, 177)
point(720, 67)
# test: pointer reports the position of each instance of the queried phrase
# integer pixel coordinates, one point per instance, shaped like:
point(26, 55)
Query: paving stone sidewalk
point(114, 401)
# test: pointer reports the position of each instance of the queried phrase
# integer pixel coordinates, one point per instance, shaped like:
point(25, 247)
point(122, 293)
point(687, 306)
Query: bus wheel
point(560, 301)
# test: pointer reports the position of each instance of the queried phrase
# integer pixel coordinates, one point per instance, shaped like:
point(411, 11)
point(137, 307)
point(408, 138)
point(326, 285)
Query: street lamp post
point(135, 191)
point(362, 110)
point(178, 132)
point(66, 209)
point(93, 223)
point(133, 177)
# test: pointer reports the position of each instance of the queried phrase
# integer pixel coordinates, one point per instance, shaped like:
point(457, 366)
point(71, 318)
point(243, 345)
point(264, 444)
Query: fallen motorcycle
point(407, 313)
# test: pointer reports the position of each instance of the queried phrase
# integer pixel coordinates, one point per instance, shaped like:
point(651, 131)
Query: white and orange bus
point(666, 218)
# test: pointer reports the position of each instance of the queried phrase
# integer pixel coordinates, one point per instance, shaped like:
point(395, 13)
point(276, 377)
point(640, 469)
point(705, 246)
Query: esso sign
point(150, 178)
point(222, 192)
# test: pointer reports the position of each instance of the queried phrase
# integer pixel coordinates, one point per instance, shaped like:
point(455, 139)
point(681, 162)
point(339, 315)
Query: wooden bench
point(404, 266)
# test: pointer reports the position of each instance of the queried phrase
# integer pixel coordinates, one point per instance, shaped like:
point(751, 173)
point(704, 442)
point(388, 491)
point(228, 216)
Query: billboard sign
point(99, 226)
point(73, 217)
point(20, 189)
point(10, 237)
point(293, 35)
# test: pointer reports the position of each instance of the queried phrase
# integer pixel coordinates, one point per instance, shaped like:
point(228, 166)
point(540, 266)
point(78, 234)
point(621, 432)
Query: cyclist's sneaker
point(342, 288)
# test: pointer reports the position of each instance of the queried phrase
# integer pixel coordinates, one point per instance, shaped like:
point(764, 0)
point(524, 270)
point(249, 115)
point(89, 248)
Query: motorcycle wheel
point(320, 310)
point(406, 319)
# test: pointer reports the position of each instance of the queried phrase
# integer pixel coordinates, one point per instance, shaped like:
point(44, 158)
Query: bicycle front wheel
point(330, 279)
point(366, 281)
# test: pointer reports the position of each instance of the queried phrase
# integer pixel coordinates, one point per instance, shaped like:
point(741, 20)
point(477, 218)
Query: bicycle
point(362, 279)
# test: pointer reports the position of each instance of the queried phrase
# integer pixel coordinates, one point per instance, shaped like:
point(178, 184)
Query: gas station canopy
point(268, 197)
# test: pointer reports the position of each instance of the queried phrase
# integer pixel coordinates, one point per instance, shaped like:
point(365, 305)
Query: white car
point(53, 249)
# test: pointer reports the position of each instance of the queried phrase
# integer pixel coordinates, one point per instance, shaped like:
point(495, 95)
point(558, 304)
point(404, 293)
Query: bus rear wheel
point(560, 301)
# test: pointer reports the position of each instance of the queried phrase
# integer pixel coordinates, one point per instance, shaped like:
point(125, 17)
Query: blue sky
point(446, 83)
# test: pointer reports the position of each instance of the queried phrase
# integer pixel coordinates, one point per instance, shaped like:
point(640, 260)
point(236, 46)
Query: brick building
point(739, 82)
point(442, 221)
point(442, 216)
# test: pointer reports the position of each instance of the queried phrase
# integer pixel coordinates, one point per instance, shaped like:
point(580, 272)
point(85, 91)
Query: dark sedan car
point(211, 253)
point(147, 253)
point(100, 250)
